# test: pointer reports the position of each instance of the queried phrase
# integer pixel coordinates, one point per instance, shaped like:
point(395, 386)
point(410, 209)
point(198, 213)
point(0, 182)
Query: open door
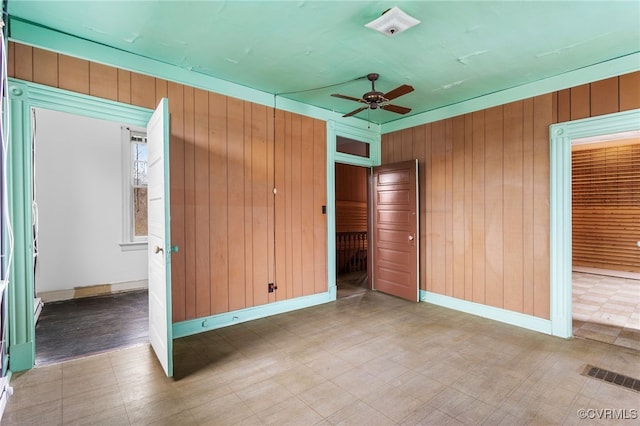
point(395, 230)
point(159, 252)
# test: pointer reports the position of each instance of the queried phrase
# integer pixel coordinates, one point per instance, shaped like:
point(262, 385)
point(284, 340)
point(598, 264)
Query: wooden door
point(395, 229)
point(159, 254)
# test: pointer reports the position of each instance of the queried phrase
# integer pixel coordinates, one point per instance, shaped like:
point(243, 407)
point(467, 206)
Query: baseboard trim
point(92, 290)
point(607, 272)
point(502, 315)
point(21, 356)
point(200, 325)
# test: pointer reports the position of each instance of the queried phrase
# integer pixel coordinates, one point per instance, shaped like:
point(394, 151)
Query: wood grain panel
point(296, 207)
point(438, 208)
point(45, 67)
point(604, 97)
point(580, 102)
point(189, 247)
point(605, 200)
point(161, 90)
point(73, 74)
point(629, 91)
point(494, 199)
point(563, 105)
point(281, 224)
point(124, 88)
point(248, 205)
point(308, 210)
point(468, 207)
point(103, 82)
point(236, 200)
point(513, 187)
point(202, 204)
point(448, 208)
point(478, 238)
point(23, 62)
point(260, 204)
point(458, 208)
point(143, 90)
point(527, 207)
point(542, 117)
point(218, 204)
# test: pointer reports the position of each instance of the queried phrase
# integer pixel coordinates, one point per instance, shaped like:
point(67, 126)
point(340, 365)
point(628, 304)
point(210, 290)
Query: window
point(351, 146)
point(134, 189)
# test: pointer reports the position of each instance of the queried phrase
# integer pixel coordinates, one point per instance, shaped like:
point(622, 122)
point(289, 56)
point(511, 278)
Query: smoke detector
point(392, 21)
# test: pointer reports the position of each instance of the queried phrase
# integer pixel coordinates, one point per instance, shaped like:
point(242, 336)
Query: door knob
point(411, 237)
point(159, 249)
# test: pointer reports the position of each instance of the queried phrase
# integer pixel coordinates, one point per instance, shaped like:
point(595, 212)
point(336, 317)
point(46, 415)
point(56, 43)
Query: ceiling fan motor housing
point(374, 98)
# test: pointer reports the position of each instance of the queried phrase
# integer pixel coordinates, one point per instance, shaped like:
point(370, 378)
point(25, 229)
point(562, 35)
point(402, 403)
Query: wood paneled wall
point(235, 236)
point(484, 194)
point(351, 198)
point(606, 205)
point(484, 204)
point(598, 98)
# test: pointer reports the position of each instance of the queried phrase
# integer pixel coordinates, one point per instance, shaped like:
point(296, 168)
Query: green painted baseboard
point(200, 325)
point(22, 356)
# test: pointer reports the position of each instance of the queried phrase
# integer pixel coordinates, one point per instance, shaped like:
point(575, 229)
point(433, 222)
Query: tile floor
point(369, 359)
point(606, 309)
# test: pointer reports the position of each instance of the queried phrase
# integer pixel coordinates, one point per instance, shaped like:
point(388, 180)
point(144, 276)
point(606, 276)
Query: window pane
point(139, 156)
point(353, 147)
point(140, 212)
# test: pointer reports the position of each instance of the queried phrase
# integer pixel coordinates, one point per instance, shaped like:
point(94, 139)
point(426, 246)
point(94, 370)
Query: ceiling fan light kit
point(392, 21)
point(375, 99)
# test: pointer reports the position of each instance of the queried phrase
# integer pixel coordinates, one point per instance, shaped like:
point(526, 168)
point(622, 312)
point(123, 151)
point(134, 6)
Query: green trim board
point(560, 137)
point(371, 137)
point(23, 98)
point(200, 325)
point(45, 38)
point(615, 67)
point(497, 314)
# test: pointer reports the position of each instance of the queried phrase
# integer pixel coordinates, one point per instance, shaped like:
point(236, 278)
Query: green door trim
point(23, 97)
point(560, 258)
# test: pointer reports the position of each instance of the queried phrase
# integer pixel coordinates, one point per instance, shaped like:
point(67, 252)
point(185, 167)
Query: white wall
point(79, 197)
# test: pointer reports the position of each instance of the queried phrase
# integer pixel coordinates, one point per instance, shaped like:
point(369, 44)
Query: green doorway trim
point(561, 136)
point(23, 97)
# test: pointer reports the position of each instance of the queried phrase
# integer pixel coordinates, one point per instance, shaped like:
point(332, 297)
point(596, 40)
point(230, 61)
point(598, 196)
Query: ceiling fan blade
point(355, 111)
point(398, 91)
point(349, 98)
point(396, 109)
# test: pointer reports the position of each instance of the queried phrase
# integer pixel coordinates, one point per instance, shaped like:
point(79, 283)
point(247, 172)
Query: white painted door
point(160, 327)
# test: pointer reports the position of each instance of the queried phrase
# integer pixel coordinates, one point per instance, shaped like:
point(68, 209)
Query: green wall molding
point(200, 325)
point(23, 98)
point(560, 136)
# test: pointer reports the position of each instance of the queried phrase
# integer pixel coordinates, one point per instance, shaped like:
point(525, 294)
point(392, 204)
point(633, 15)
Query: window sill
point(133, 246)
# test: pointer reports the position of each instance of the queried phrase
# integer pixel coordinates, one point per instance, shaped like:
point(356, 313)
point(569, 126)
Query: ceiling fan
point(375, 99)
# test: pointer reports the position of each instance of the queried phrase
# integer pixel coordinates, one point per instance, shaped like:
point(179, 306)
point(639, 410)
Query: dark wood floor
point(80, 327)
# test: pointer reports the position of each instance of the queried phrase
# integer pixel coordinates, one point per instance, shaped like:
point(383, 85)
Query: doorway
point(605, 229)
point(352, 229)
point(89, 271)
